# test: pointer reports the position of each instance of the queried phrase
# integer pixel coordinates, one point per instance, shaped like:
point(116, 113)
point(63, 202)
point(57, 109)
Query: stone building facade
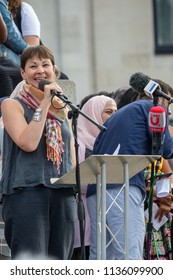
point(99, 44)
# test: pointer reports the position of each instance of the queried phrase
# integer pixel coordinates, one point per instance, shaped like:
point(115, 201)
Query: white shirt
point(30, 24)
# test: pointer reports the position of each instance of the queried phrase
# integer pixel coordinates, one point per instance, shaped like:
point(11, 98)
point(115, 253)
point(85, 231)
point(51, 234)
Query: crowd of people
point(39, 220)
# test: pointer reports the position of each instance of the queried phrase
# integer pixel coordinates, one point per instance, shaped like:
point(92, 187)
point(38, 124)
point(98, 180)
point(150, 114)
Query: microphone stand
point(73, 114)
point(154, 170)
point(150, 207)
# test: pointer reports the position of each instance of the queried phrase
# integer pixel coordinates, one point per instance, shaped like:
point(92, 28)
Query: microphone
point(157, 122)
point(41, 85)
point(143, 84)
point(65, 99)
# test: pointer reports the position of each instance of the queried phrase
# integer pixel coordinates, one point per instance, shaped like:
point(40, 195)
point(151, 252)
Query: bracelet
point(37, 115)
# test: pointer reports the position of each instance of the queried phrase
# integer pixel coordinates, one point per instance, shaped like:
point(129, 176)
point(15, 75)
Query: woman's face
point(37, 69)
point(109, 109)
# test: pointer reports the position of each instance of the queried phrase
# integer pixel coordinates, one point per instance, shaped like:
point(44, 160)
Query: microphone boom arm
point(81, 210)
point(164, 95)
point(76, 109)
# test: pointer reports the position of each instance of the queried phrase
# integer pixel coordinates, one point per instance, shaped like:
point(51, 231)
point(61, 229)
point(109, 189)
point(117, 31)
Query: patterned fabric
point(54, 145)
point(160, 248)
point(160, 243)
point(31, 97)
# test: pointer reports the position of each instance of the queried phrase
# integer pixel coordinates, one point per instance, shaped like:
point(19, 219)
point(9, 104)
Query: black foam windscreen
point(138, 81)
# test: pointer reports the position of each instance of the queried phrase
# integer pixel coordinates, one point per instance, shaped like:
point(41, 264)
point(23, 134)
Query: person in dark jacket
point(129, 130)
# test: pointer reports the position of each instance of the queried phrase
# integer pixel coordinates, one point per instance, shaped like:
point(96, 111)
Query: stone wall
point(99, 44)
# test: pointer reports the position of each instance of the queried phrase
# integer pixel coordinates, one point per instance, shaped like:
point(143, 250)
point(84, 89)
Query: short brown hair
point(39, 51)
point(14, 6)
point(166, 88)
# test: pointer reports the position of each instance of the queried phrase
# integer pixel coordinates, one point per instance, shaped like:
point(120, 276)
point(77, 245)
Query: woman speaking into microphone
point(39, 217)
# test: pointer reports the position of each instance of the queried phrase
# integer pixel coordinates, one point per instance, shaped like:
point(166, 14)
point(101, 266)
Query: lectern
point(108, 169)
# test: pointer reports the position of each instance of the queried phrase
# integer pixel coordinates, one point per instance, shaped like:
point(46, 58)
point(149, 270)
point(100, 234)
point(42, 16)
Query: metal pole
point(126, 211)
point(103, 211)
point(98, 217)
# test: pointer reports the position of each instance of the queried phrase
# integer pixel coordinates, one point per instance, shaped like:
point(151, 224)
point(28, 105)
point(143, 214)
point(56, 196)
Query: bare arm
point(166, 169)
point(30, 25)
point(26, 136)
point(32, 40)
point(164, 203)
point(3, 30)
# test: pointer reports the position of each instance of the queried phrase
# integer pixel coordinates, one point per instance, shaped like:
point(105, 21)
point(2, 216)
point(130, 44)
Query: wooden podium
point(108, 169)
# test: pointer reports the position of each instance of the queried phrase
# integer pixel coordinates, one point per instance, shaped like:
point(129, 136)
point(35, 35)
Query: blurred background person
point(161, 247)
point(15, 44)
point(129, 129)
point(24, 29)
point(26, 21)
point(99, 108)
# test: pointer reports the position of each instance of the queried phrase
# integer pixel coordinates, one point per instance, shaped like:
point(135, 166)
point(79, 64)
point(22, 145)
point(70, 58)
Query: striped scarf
point(32, 96)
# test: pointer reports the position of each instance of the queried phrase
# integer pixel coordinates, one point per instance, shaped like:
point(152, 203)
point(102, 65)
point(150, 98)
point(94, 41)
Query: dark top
point(129, 127)
point(23, 169)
